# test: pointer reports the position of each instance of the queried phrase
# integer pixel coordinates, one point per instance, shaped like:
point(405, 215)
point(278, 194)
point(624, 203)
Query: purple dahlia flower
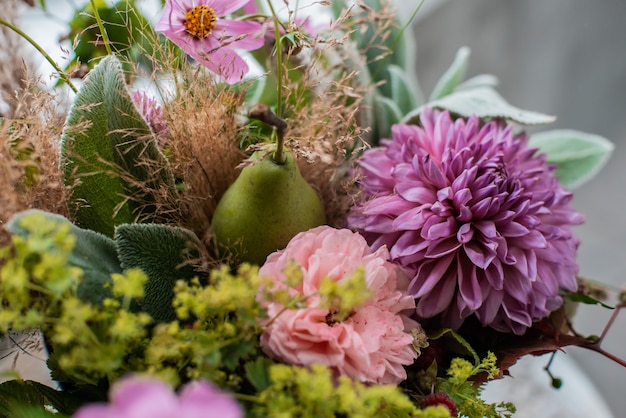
point(475, 217)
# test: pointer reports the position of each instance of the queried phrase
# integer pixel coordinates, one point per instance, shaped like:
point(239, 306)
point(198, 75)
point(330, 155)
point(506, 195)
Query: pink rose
point(372, 344)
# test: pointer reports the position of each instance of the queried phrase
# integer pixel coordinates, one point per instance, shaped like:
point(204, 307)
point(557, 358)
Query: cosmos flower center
point(200, 21)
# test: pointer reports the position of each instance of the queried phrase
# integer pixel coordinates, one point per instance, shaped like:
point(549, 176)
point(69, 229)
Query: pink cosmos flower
point(196, 27)
point(138, 397)
point(372, 344)
point(476, 218)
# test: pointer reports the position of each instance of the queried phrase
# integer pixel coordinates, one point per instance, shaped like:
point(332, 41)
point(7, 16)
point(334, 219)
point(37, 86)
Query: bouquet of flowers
point(279, 224)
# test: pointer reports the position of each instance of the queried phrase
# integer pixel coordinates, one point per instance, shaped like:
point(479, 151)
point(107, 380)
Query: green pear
point(263, 209)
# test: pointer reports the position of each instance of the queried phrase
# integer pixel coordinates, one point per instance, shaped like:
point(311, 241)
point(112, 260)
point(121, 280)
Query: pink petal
point(224, 7)
point(133, 395)
point(239, 34)
point(225, 62)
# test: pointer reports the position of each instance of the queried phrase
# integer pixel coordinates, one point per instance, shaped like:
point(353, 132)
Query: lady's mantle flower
point(196, 27)
point(369, 344)
point(137, 397)
point(475, 217)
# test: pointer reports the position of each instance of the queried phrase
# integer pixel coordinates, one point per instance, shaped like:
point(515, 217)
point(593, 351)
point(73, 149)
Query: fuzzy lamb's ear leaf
point(403, 92)
point(93, 252)
point(483, 102)
point(478, 81)
point(109, 155)
point(579, 156)
point(453, 75)
point(386, 114)
point(166, 254)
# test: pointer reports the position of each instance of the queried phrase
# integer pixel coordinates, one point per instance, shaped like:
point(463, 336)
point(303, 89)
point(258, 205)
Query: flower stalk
point(263, 113)
point(41, 51)
point(103, 32)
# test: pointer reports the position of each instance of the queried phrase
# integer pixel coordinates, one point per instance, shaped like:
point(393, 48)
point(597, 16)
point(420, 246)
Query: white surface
point(529, 388)
point(23, 355)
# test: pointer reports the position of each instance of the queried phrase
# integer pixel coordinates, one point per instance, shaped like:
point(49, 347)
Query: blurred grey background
point(566, 58)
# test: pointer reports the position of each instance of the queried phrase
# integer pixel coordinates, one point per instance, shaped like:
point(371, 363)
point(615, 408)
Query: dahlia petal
point(462, 197)
point(479, 254)
point(517, 286)
point(469, 288)
point(446, 227)
point(441, 210)
point(411, 220)
point(415, 192)
point(407, 244)
point(504, 216)
point(465, 214)
point(430, 274)
point(490, 308)
point(442, 247)
point(494, 273)
point(487, 228)
point(480, 209)
point(516, 312)
point(533, 240)
point(432, 172)
point(387, 205)
point(514, 229)
point(445, 193)
point(465, 233)
point(440, 298)
point(466, 178)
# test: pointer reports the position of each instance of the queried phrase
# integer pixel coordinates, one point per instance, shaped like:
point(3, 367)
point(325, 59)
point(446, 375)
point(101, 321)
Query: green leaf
point(381, 52)
point(386, 113)
point(130, 33)
point(109, 155)
point(257, 373)
point(166, 254)
point(579, 156)
point(453, 75)
point(481, 80)
point(19, 398)
point(94, 253)
point(483, 102)
point(403, 93)
point(455, 343)
point(586, 299)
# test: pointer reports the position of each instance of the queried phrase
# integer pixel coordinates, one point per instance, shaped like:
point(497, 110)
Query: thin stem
point(263, 113)
point(279, 62)
point(41, 51)
point(248, 398)
point(609, 324)
point(103, 32)
point(595, 347)
point(556, 382)
point(397, 40)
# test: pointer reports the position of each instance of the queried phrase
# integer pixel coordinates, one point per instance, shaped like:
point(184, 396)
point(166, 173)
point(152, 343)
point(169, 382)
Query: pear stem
point(263, 113)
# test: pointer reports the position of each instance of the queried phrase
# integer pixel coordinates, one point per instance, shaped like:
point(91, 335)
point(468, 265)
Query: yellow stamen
point(200, 21)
